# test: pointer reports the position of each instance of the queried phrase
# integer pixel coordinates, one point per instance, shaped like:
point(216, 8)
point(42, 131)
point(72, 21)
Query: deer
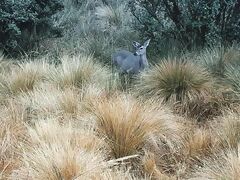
point(132, 63)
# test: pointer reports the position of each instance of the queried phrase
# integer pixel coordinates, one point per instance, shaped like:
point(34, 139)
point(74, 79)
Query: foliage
point(24, 22)
point(93, 27)
point(190, 23)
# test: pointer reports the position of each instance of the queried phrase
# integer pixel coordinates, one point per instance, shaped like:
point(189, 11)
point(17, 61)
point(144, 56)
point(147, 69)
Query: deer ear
point(136, 44)
point(147, 43)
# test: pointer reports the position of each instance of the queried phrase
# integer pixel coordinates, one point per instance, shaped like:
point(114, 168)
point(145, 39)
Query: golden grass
point(126, 124)
point(24, 77)
point(63, 152)
point(66, 122)
point(12, 137)
point(57, 161)
point(228, 129)
point(175, 81)
point(200, 143)
point(78, 71)
point(151, 169)
point(50, 131)
point(205, 107)
point(225, 165)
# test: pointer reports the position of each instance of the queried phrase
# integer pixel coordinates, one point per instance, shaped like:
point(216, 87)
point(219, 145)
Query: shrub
point(24, 22)
point(94, 27)
point(189, 23)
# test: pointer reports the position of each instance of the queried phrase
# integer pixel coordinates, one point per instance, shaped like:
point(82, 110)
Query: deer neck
point(143, 61)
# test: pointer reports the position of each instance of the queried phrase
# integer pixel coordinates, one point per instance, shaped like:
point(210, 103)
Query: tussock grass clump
point(200, 143)
point(151, 169)
point(204, 107)
point(42, 102)
point(175, 81)
point(59, 162)
point(233, 77)
point(49, 101)
point(216, 59)
point(113, 17)
point(50, 131)
point(12, 137)
point(64, 152)
point(78, 71)
point(126, 124)
point(228, 130)
point(225, 165)
point(24, 77)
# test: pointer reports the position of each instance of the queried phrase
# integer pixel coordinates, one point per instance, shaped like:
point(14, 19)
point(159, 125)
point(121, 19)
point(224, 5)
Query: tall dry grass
point(78, 71)
point(174, 80)
point(223, 166)
point(12, 137)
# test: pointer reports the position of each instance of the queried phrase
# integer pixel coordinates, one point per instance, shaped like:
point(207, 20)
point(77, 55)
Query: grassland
point(65, 115)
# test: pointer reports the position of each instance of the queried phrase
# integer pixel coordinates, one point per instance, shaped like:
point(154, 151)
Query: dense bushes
point(189, 23)
point(24, 22)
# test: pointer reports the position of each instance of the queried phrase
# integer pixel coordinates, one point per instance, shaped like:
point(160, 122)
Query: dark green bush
point(187, 23)
point(25, 22)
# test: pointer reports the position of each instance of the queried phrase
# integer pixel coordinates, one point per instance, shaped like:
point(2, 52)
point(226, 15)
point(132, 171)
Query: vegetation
point(66, 115)
point(25, 22)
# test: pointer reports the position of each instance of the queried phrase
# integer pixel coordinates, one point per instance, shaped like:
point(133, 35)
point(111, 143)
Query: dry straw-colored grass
point(63, 152)
point(12, 137)
point(64, 104)
point(79, 71)
point(50, 131)
point(24, 77)
point(151, 169)
point(225, 165)
point(199, 144)
point(127, 124)
point(174, 81)
point(228, 129)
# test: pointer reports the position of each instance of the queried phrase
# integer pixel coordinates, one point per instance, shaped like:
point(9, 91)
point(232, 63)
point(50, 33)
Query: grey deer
point(132, 63)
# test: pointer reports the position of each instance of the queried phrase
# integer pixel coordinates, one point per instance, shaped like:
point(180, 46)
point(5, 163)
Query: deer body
point(132, 63)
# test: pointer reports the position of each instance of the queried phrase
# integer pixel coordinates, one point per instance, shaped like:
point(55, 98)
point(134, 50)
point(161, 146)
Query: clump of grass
point(59, 162)
point(204, 107)
point(24, 78)
point(112, 17)
point(5, 64)
point(151, 169)
point(42, 102)
point(225, 165)
point(228, 130)
point(200, 144)
point(69, 101)
point(63, 152)
point(51, 131)
point(216, 59)
point(175, 81)
point(78, 71)
point(12, 137)
point(232, 75)
point(126, 124)
point(232, 55)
